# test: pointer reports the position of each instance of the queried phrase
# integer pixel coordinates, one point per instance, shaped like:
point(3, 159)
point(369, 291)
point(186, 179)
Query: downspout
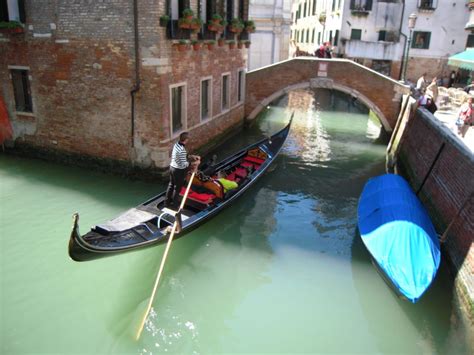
point(136, 86)
point(404, 44)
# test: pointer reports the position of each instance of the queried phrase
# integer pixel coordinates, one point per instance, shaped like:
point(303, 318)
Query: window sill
point(27, 116)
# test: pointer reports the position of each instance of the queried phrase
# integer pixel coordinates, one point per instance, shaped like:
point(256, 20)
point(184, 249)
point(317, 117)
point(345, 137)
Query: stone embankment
point(440, 168)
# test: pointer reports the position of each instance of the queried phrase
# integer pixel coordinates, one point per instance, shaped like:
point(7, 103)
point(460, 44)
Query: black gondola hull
point(92, 246)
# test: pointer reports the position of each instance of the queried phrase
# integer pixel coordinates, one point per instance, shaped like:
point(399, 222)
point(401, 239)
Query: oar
point(163, 260)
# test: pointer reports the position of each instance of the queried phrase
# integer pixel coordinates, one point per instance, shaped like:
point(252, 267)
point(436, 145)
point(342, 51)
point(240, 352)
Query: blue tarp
point(398, 232)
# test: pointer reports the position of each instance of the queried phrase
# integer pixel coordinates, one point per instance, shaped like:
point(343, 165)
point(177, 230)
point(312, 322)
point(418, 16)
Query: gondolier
point(179, 167)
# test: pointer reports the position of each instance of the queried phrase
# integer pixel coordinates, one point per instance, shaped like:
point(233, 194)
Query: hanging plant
point(182, 45)
point(231, 44)
point(188, 14)
point(322, 17)
point(164, 20)
point(196, 45)
point(249, 26)
point(236, 25)
point(210, 45)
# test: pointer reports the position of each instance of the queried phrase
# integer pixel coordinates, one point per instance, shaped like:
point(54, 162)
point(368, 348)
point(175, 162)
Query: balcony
point(372, 50)
point(360, 7)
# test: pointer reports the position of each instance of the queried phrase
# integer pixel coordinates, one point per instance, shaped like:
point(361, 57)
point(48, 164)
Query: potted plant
point(188, 14)
point(236, 25)
point(247, 43)
point(231, 44)
point(11, 27)
point(221, 42)
point(471, 4)
point(249, 26)
point(196, 24)
point(164, 20)
point(322, 17)
point(240, 44)
point(210, 44)
point(196, 45)
point(216, 19)
point(182, 45)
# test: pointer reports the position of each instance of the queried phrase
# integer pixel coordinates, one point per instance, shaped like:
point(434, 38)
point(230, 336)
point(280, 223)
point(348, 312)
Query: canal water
point(283, 270)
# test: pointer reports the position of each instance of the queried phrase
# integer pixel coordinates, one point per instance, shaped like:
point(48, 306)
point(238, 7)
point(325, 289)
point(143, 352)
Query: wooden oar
point(163, 260)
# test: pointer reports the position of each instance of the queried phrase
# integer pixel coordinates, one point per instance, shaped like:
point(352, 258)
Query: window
point(304, 11)
point(307, 36)
point(382, 35)
point(421, 40)
point(178, 108)
point(361, 5)
point(206, 98)
point(336, 38)
point(427, 4)
point(21, 90)
point(12, 10)
point(330, 37)
point(470, 41)
point(314, 7)
point(225, 104)
point(241, 88)
point(319, 37)
point(312, 35)
point(356, 34)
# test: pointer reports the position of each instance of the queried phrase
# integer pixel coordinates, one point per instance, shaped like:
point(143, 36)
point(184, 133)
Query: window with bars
point(178, 108)
point(241, 88)
point(12, 10)
point(427, 4)
point(361, 5)
point(225, 103)
point(22, 90)
point(206, 89)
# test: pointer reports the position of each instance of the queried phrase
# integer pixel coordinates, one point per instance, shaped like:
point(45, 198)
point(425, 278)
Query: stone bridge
point(378, 92)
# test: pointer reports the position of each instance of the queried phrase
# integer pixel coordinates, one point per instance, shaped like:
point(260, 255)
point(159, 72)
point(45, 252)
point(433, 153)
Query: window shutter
point(352, 5)
point(368, 5)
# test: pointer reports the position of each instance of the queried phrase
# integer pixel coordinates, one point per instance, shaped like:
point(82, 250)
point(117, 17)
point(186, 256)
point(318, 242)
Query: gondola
point(399, 235)
point(149, 224)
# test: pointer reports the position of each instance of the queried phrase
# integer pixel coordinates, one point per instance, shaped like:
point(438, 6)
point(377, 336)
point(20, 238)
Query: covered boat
point(149, 223)
point(398, 233)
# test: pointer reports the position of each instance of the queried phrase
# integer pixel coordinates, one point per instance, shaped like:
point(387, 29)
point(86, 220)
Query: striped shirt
point(179, 157)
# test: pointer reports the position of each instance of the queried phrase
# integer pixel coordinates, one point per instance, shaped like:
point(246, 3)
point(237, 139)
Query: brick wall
point(384, 94)
point(81, 60)
point(440, 167)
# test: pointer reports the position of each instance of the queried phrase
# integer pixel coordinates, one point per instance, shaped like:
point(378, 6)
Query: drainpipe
point(404, 43)
point(136, 86)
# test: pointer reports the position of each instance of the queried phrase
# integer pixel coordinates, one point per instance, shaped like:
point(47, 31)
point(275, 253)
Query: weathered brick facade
point(80, 56)
point(379, 93)
point(440, 169)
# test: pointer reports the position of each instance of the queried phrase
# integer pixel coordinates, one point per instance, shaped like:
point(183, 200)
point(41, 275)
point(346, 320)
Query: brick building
point(119, 80)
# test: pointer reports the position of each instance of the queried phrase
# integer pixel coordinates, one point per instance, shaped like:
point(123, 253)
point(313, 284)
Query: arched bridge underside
point(378, 92)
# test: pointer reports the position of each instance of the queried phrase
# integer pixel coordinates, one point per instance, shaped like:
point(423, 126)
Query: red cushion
point(193, 195)
point(231, 176)
point(241, 172)
point(246, 163)
point(254, 160)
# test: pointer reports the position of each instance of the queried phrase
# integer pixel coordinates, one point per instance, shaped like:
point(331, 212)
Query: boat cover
point(398, 232)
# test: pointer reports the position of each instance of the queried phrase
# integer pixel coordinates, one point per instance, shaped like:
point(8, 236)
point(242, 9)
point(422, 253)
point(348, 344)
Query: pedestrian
point(452, 79)
point(421, 84)
point(426, 101)
point(469, 87)
point(320, 52)
point(328, 50)
point(465, 119)
point(432, 89)
point(179, 167)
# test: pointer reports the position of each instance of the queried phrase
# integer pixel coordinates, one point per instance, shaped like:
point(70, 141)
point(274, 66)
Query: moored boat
point(149, 224)
point(399, 235)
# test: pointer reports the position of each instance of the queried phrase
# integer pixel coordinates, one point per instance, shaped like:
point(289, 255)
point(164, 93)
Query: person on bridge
point(320, 52)
point(421, 84)
point(432, 89)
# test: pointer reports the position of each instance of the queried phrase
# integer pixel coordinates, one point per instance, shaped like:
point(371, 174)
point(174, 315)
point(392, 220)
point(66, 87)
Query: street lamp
point(411, 25)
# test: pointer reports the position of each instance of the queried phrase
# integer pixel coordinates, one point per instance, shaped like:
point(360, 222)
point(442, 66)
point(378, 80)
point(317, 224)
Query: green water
point(282, 270)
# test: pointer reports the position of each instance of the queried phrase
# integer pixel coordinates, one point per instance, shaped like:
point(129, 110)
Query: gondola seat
point(204, 198)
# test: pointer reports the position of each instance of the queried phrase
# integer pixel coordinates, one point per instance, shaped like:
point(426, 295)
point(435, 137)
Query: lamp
point(411, 25)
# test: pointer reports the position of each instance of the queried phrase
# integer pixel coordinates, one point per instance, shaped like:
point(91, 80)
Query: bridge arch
point(378, 92)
